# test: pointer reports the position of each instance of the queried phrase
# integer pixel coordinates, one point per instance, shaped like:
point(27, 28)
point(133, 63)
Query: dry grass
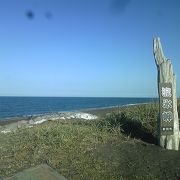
point(65, 147)
point(74, 149)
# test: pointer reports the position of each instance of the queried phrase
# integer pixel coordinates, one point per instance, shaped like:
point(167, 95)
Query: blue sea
point(26, 106)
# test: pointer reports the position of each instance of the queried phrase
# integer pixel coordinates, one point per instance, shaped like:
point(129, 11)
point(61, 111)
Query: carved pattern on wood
point(168, 122)
point(166, 92)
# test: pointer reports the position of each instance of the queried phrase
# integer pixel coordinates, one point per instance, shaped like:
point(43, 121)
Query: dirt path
point(134, 159)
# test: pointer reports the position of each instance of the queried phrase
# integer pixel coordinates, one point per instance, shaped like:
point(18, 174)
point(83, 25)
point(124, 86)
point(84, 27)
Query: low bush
point(138, 121)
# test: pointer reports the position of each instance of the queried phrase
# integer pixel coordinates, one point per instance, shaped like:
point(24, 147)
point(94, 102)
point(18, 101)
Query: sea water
point(25, 106)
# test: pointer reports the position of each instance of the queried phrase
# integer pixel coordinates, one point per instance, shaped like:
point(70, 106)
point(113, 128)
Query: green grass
point(133, 120)
point(66, 147)
point(101, 149)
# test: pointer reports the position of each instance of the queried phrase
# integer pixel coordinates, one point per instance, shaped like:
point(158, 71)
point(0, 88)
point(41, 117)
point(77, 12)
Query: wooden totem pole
point(168, 122)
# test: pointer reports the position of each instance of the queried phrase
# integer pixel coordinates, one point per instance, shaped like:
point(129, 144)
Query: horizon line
point(80, 96)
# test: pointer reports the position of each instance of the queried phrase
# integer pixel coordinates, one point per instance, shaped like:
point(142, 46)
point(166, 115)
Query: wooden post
point(168, 122)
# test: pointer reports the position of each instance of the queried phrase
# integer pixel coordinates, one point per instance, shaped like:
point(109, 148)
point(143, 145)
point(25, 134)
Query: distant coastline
point(12, 123)
point(25, 107)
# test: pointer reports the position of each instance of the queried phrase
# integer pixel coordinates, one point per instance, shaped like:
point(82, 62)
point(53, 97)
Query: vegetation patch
point(121, 145)
point(66, 147)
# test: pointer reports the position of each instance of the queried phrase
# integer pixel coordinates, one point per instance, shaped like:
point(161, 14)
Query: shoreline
point(93, 111)
point(14, 123)
point(13, 119)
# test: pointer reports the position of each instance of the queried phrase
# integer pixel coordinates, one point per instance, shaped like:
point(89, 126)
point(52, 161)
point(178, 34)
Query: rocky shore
point(30, 121)
point(14, 123)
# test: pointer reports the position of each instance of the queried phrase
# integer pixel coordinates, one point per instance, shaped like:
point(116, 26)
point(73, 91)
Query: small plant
point(136, 121)
point(111, 122)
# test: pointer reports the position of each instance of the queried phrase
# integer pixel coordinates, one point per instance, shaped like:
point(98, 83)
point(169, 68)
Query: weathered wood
point(168, 122)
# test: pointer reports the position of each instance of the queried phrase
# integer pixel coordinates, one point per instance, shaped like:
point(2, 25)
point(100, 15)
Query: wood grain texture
point(166, 75)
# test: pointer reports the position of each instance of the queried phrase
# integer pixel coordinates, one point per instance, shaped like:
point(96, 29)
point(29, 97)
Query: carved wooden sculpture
point(168, 122)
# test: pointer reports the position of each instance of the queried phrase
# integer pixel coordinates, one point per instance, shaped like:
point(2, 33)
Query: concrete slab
point(41, 172)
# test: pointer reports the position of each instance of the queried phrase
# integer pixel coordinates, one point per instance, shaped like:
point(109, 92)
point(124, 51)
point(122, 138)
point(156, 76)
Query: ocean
point(27, 106)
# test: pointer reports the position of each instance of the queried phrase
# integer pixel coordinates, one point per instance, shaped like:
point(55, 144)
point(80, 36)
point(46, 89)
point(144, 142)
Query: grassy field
point(121, 145)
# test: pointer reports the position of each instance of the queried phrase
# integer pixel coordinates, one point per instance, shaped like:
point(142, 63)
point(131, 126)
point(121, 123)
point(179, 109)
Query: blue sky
point(99, 48)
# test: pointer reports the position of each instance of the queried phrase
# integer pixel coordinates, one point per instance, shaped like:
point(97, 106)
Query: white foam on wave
point(42, 119)
point(6, 131)
point(85, 116)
